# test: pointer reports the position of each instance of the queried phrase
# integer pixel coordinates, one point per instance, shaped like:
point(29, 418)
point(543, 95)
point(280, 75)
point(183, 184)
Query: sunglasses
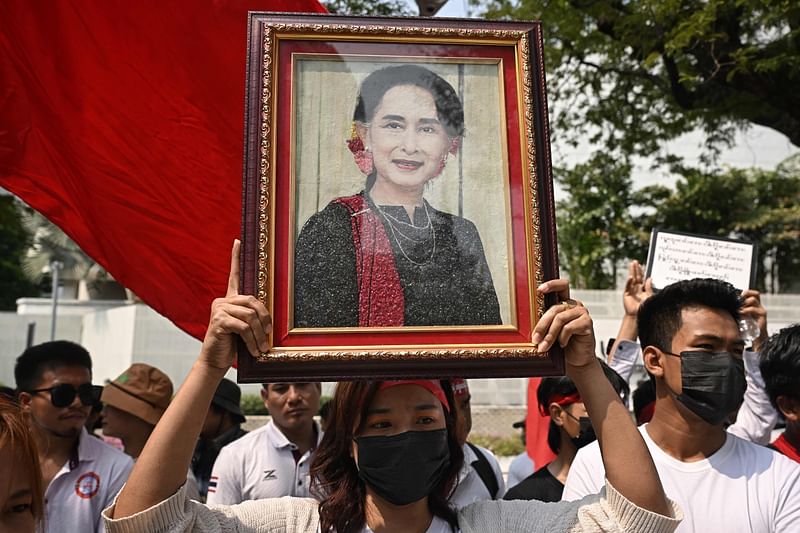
point(64, 394)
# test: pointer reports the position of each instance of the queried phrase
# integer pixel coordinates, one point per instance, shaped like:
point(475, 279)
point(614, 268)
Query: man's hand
point(567, 323)
point(637, 289)
point(752, 308)
point(232, 316)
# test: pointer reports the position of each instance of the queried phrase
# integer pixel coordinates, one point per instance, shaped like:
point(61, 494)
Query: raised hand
point(235, 316)
point(567, 323)
point(637, 289)
point(753, 308)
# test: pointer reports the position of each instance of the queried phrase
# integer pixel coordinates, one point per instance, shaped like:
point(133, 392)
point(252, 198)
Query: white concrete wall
point(14, 334)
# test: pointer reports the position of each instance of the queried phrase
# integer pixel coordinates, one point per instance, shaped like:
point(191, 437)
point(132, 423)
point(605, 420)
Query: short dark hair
point(448, 105)
point(659, 317)
point(780, 364)
point(36, 360)
point(563, 386)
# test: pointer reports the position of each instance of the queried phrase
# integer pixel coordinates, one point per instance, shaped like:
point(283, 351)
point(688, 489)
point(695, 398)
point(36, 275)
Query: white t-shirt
point(521, 467)
point(259, 465)
point(471, 487)
point(84, 486)
point(742, 487)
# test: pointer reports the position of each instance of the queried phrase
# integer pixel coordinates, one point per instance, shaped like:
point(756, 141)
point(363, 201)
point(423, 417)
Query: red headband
point(559, 399)
point(434, 387)
point(460, 387)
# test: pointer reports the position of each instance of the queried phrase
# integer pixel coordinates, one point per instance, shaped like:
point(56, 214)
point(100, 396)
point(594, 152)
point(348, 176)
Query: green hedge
point(252, 404)
point(500, 446)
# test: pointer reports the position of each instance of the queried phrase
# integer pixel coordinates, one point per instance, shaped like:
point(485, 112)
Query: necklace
point(395, 229)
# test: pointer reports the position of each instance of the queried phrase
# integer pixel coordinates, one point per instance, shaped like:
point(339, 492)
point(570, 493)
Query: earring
point(362, 155)
point(455, 144)
point(440, 168)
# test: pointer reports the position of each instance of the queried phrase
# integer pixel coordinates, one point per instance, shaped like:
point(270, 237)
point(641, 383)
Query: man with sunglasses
point(692, 348)
point(82, 474)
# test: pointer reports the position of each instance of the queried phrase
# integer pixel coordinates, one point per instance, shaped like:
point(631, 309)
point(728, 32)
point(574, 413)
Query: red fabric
point(558, 399)
point(122, 122)
point(536, 427)
point(432, 386)
point(380, 295)
point(460, 387)
point(783, 445)
point(646, 414)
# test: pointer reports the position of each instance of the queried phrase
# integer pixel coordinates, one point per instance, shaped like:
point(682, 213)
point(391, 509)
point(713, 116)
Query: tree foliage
point(762, 206)
point(369, 7)
point(629, 75)
point(14, 241)
point(603, 222)
point(595, 225)
point(49, 243)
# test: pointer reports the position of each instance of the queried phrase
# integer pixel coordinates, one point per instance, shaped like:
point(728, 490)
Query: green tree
point(595, 226)
point(762, 206)
point(369, 7)
point(629, 75)
point(14, 241)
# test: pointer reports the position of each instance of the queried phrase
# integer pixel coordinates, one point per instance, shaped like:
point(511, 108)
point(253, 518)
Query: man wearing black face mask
point(570, 430)
point(693, 349)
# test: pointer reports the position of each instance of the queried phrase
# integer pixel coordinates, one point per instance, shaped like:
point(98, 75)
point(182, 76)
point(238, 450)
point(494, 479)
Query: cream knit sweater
point(604, 512)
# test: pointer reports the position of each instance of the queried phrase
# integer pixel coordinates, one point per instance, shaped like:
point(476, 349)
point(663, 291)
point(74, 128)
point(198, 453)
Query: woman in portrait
point(385, 256)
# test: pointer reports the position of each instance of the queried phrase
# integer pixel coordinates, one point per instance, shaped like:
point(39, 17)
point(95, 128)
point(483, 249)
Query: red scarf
point(380, 295)
point(783, 445)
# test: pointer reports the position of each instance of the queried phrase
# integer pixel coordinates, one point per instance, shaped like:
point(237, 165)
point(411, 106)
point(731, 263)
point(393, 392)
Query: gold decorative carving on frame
point(527, 92)
point(349, 29)
point(265, 165)
point(401, 355)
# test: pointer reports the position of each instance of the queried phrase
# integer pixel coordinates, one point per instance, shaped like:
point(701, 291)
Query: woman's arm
point(629, 467)
point(161, 468)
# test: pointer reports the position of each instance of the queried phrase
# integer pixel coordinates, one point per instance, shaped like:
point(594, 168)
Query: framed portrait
point(398, 208)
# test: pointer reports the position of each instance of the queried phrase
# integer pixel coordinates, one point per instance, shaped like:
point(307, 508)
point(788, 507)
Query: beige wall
point(325, 95)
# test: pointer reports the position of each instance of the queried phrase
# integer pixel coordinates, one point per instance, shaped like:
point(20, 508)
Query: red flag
point(122, 122)
point(536, 427)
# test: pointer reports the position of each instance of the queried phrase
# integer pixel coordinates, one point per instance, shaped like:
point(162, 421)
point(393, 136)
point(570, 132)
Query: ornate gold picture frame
point(398, 206)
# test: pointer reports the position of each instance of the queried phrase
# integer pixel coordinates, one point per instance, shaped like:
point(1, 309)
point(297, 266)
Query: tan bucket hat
point(142, 390)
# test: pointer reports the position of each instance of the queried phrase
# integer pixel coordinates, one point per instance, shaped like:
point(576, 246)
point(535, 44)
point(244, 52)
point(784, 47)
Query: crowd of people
point(396, 456)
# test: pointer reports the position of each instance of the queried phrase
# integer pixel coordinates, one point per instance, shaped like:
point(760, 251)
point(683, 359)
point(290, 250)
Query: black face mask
point(713, 384)
point(586, 434)
point(403, 468)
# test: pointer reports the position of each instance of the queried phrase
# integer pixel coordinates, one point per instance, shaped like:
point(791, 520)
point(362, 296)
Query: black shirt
point(445, 278)
point(541, 485)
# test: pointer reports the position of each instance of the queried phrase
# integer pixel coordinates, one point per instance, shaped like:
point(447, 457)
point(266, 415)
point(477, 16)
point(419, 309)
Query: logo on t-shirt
point(87, 485)
point(269, 474)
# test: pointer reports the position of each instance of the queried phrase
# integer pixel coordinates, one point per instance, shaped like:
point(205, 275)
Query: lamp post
point(428, 8)
point(55, 269)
